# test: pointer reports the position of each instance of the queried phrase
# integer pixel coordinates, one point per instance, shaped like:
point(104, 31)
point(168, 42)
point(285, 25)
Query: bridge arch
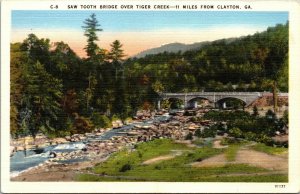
point(172, 102)
point(199, 101)
point(231, 102)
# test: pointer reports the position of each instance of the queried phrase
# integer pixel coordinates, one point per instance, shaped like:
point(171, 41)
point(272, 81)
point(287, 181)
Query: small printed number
point(279, 186)
point(53, 6)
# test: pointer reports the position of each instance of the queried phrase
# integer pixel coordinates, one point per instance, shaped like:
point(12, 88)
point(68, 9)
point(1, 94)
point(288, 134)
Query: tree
point(70, 102)
point(86, 95)
point(157, 86)
point(91, 28)
point(17, 62)
point(116, 53)
point(121, 104)
point(41, 100)
point(38, 50)
point(277, 57)
point(66, 65)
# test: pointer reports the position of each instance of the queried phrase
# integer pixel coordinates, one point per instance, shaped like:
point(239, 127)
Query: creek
point(24, 160)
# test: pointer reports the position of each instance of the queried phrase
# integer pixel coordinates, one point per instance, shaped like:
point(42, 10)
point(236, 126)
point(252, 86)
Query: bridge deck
point(216, 97)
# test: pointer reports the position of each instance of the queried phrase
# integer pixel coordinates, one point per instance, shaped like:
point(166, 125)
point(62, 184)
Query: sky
point(141, 30)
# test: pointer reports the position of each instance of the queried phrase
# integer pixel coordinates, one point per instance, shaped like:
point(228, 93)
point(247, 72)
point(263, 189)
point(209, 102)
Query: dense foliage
point(241, 124)
point(248, 63)
point(56, 92)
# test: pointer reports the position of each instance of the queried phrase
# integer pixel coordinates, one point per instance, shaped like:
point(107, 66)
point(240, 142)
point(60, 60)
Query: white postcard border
point(293, 7)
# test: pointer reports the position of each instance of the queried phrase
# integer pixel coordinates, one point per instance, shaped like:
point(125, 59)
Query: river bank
point(97, 148)
point(101, 143)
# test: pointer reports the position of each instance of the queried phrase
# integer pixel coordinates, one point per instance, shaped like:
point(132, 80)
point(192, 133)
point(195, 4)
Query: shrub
point(140, 154)
point(125, 167)
point(195, 119)
point(250, 136)
point(114, 118)
point(100, 120)
point(235, 132)
point(209, 132)
point(229, 140)
point(82, 125)
point(227, 116)
point(264, 139)
point(198, 133)
point(157, 167)
point(199, 142)
point(128, 120)
point(224, 141)
point(189, 136)
point(270, 115)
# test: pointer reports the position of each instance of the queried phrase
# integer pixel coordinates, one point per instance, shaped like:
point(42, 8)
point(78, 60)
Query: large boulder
point(281, 140)
point(117, 123)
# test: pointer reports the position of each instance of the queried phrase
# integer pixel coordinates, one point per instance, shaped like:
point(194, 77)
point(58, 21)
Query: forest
point(55, 92)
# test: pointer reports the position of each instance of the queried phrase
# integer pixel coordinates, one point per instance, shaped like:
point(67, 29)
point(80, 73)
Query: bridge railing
point(259, 94)
point(213, 93)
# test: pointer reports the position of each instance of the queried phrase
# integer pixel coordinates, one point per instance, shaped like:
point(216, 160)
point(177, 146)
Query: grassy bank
point(269, 150)
point(134, 165)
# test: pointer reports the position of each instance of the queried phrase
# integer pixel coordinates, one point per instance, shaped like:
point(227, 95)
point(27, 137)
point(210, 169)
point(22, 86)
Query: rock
point(68, 138)
point(193, 127)
point(30, 147)
point(101, 145)
point(138, 126)
point(282, 139)
point(128, 121)
point(117, 123)
point(82, 137)
point(12, 150)
point(20, 148)
point(52, 155)
point(59, 140)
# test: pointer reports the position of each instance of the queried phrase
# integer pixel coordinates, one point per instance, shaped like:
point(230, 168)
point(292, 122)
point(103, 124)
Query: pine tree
point(41, 100)
point(18, 58)
point(116, 53)
point(121, 104)
point(91, 28)
point(38, 50)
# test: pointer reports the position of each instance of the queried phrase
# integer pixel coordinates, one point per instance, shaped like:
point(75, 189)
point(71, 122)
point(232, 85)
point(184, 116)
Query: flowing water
point(24, 160)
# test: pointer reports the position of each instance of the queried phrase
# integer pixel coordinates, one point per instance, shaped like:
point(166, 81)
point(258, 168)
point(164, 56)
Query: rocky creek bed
point(75, 153)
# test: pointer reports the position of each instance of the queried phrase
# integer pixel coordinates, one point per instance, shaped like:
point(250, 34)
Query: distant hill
point(176, 47)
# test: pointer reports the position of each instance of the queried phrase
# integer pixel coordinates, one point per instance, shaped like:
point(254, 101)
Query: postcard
point(150, 97)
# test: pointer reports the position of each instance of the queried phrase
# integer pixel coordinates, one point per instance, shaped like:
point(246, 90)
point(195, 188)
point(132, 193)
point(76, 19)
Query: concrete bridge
point(215, 98)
